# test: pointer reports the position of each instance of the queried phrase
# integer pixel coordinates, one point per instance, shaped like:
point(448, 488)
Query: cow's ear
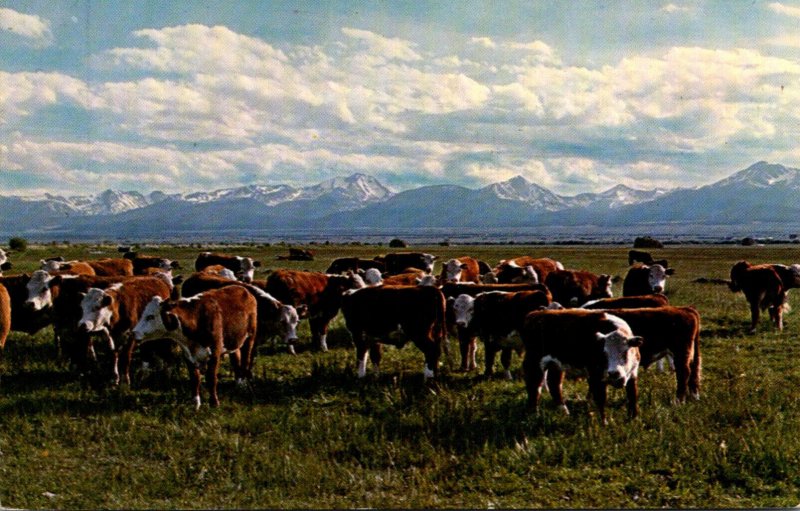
point(170, 321)
point(257, 264)
point(302, 310)
point(600, 336)
point(670, 271)
point(106, 301)
point(635, 342)
point(463, 266)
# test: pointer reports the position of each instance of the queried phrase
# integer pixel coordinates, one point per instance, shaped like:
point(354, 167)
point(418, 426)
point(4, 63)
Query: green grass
point(309, 434)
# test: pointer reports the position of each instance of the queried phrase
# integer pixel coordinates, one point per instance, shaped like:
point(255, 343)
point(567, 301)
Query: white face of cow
point(288, 321)
point(247, 268)
point(794, 270)
point(463, 308)
point(3, 257)
point(96, 306)
point(372, 277)
point(452, 270)
point(429, 259)
point(621, 348)
point(50, 266)
point(657, 278)
point(606, 292)
point(39, 295)
point(426, 280)
point(150, 325)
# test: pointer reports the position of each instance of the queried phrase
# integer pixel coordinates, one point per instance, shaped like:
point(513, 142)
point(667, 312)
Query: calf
point(763, 288)
point(113, 312)
point(394, 315)
point(575, 287)
point(511, 270)
point(595, 341)
point(642, 279)
point(640, 256)
point(496, 317)
point(463, 269)
point(206, 328)
point(319, 292)
point(5, 315)
point(243, 267)
point(669, 331)
point(627, 302)
point(397, 262)
point(345, 264)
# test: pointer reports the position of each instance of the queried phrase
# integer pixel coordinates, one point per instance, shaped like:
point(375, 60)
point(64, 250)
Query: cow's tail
point(441, 325)
point(696, 366)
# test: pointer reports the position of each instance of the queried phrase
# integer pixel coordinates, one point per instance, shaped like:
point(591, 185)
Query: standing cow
point(763, 288)
point(573, 288)
point(643, 279)
point(243, 267)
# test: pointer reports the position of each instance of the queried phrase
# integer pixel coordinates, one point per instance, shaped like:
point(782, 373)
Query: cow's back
point(133, 296)
point(112, 267)
point(296, 287)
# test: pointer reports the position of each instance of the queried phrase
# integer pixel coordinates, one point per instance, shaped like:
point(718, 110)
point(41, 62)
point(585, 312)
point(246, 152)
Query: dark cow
point(5, 315)
point(274, 318)
point(394, 315)
point(496, 317)
point(628, 302)
point(511, 270)
point(462, 269)
point(640, 256)
point(763, 288)
point(243, 267)
point(642, 279)
point(206, 328)
point(667, 331)
point(112, 313)
point(345, 264)
point(595, 341)
point(319, 292)
point(573, 288)
point(298, 254)
point(397, 262)
point(142, 262)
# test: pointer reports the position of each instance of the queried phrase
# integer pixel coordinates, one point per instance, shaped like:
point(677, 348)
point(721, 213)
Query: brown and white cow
point(275, 320)
point(395, 315)
point(207, 326)
point(112, 313)
point(512, 270)
point(763, 289)
point(595, 341)
point(23, 318)
point(496, 317)
point(573, 288)
point(345, 264)
point(319, 292)
point(243, 267)
point(5, 315)
point(141, 262)
point(628, 302)
point(462, 269)
point(643, 279)
point(397, 262)
point(4, 264)
point(669, 331)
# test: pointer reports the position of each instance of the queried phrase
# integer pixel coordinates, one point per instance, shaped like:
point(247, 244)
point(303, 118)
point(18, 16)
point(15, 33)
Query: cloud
point(787, 10)
point(33, 29)
point(391, 48)
point(673, 8)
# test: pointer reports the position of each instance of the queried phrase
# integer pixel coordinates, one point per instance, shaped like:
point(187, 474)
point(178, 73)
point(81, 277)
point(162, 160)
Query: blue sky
point(574, 96)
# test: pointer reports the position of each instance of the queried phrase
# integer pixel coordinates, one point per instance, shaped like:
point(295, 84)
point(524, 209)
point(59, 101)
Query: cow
point(243, 267)
point(790, 275)
point(397, 262)
point(395, 315)
point(643, 279)
point(595, 341)
point(23, 319)
point(763, 289)
point(575, 287)
point(462, 269)
point(206, 328)
point(321, 293)
point(496, 317)
point(5, 315)
point(640, 256)
point(298, 254)
point(4, 264)
point(67, 267)
point(345, 264)
point(112, 313)
point(511, 270)
point(406, 278)
point(628, 302)
point(142, 262)
point(112, 267)
point(274, 318)
point(669, 331)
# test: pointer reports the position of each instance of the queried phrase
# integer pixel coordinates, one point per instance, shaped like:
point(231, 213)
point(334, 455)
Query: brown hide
point(628, 302)
point(573, 288)
point(112, 267)
point(763, 288)
point(5, 315)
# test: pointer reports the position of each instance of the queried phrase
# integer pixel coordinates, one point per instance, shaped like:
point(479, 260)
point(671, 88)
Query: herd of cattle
point(557, 317)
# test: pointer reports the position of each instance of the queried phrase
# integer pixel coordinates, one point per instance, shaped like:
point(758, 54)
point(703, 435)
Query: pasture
point(309, 434)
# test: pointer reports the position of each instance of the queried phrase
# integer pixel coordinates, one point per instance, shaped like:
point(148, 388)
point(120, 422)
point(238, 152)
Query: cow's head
point(156, 320)
point(427, 280)
point(428, 260)
point(39, 293)
point(657, 277)
point(604, 286)
point(489, 278)
point(452, 270)
point(372, 277)
point(247, 268)
point(4, 264)
point(463, 308)
point(792, 275)
point(621, 349)
point(96, 305)
point(288, 318)
point(51, 265)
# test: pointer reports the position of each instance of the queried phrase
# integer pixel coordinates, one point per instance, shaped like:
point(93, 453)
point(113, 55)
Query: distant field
point(311, 435)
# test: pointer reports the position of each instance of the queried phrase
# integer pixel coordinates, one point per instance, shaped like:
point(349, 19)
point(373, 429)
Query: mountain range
point(763, 192)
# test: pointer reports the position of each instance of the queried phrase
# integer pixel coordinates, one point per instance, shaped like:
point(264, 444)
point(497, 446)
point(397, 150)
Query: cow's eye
point(151, 317)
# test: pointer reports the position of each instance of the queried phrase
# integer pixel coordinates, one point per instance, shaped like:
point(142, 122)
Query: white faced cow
point(645, 280)
point(4, 264)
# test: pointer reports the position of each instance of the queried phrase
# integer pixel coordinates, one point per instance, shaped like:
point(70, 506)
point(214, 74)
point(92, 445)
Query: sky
point(573, 96)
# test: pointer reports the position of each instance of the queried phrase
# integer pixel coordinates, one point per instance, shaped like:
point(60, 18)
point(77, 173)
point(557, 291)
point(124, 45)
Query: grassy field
point(309, 434)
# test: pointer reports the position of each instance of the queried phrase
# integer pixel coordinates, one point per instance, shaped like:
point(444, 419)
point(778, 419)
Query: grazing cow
point(345, 264)
point(640, 256)
point(573, 288)
point(627, 302)
point(4, 264)
point(669, 331)
point(763, 288)
point(243, 267)
point(67, 267)
point(496, 317)
point(397, 262)
point(395, 315)
point(206, 329)
point(512, 270)
point(142, 262)
point(642, 279)
point(113, 312)
point(23, 318)
point(463, 269)
point(298, 254)
point(595, 341)
point(274, 318)
point(5, 315)
point(319, 292)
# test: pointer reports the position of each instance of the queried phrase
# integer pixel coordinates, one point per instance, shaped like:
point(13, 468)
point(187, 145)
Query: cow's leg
point(534, 379)
point(237, 366)
point(491, 352)
point(362, 352)
point(194, 382)
point(682, 372)
point(211, 379)
point(125, 361)
point(555, 384)
point(466, 344)
point(432, 350)
point(598, 389)
point(505, 359)
point(319, 331)
point(755, 312)
point(375, 355)
point(694, 374)
point(632, 393)
point(779, 317)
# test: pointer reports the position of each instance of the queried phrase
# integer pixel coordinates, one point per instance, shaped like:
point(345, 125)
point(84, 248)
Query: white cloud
point(673, 8)
point(780, 8)
point(391, 48)
point(35, 30)
point(486, 42)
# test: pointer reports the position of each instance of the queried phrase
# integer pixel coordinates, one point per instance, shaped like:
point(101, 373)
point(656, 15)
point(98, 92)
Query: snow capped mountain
point(358, 187)
point(615, 197)
point(108, 202)
point(763, 175)
point(520, 189)
point(267, 195)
